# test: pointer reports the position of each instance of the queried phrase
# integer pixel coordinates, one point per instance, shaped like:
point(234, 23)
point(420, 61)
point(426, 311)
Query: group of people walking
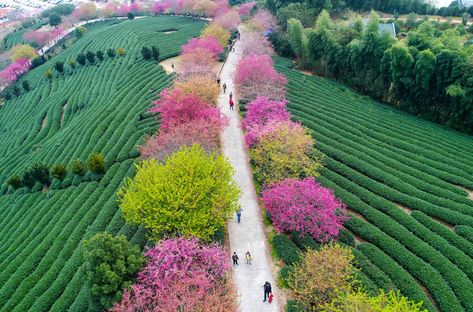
point(235, 258)
point(230, 101)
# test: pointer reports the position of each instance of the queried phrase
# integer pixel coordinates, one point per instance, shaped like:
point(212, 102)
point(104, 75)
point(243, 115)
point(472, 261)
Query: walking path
point(247, 235)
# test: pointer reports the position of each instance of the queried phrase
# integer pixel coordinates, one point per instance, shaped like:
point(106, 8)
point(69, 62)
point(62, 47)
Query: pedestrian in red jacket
point(231, 104)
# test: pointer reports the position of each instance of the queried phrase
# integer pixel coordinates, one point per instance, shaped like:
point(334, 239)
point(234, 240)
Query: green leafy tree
point(96, 163)
point(26, 85)
point(54, 19)
point(90, 56)
point(146, 52)
point(190, 194)
point(59, 171)
point(15, 182)
point(111, 264)
point(79, 32)
point(16, 90)
point(111, 53)
point(99, 55)
point(411, 20)
point(321, 275)
point(465, 17)
point(27, 179)
point(401, 68)
point(72, 63)
point(361, 301)
point(78, 167)
point(130, 15)
point(155, 53)
point(48, 74)
point(121, 51)
point(81, 59)
point(424, 69)
point(301, 11)
point(59, 66)
point(296, 37)
point(39, 172)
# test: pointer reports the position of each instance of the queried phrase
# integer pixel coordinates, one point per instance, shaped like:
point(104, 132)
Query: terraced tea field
point(92, 108)
point(404, 180)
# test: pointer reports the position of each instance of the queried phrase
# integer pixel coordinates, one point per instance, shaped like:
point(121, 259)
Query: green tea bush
point(285, 249)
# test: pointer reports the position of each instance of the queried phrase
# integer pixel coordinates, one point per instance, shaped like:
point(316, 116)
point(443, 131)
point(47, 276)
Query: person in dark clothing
point(235, 258)
point(238, 212)
point(224, 87)
point(267, 290)
point(218, 81)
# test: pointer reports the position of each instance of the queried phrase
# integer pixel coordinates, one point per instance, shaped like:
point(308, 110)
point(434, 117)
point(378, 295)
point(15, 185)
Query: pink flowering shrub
point(168, 141)
point(159, 7)
point(262, 21)
point(15, 69)
point(304, 206)
point(181, 275)
point(85, 11)
point(198, 62)
point(42, 38)
point(259, 113)
point(255, 42)
point(218, 7)
point(229, 20)
point(246, 8)
point(255, 76)
point(176, 108)
point(209, 44)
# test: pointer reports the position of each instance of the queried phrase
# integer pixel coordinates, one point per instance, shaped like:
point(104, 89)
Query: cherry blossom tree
point(85, 11)
point(15, 69)
point(197, 62)
point(229, 20)
point(181, 275)
point(255, 42)
point(202, 86)
point(262, 21)
point(176, 108)
point(259, 113)
point(246, 8)
point(159, 7)
point(209, 44)
point(169, 140)
point(304, 206)
point(255, 76)
point(42, 38)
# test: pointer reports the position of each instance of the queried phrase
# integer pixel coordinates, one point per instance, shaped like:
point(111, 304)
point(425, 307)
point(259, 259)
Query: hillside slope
point(92, 108)
point(404, 181)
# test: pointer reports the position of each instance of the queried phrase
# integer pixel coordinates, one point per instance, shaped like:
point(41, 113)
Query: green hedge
point(285, 249)
point(465, 232)
point(305, 242)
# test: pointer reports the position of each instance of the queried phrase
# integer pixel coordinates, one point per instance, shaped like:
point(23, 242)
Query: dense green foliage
point(191, 193)
point(111, 265)
point(92, 108)
point(429, 74)
point(376, 157)
point(285, 249)
point(16, 37)
point(61, 9)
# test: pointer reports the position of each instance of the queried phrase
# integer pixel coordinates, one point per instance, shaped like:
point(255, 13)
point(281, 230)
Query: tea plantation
point(99, 107)
point(404, 181)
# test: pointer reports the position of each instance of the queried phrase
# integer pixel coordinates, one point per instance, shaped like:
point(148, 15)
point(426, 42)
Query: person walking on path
point(218, 81)
point(231, 95)
point(238, 212)
point(235, 258)
point(248, 257)
point(172, 66)
point(231, 107)
point(267, 290)
point(224, 87)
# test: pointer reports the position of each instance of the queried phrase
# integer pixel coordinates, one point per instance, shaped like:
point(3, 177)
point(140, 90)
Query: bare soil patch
point(43, 122)
point(447, 225)
point(356, 214)
point(167, 65)
point(468, 191)
point(404, 208)
point(63, 109)
point(169, 32)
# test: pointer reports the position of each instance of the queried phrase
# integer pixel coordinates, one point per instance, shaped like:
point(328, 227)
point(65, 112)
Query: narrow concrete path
point(247, 235)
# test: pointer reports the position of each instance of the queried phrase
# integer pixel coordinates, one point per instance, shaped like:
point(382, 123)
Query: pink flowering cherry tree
point(209, 44)
point(304, 206)
point(246, 8)
point(255, 42)
point(229, 20)
point(15, 69)
point(255, 76)
point(259, 113)
point(176, 108)
point(181, 275)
